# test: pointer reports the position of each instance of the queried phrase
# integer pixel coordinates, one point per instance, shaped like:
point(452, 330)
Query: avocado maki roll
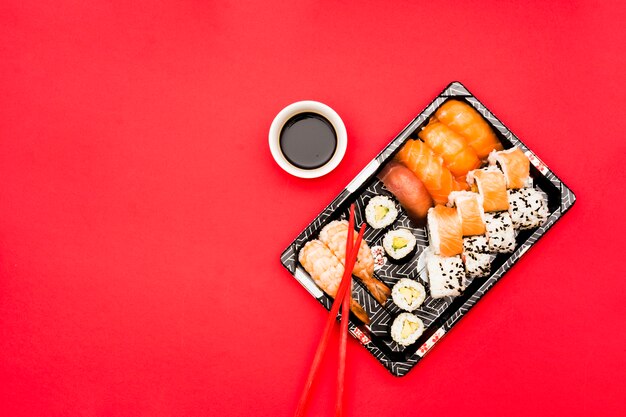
point(408, 294)
point(380, 212)
point(406, 329)
point(399, 243)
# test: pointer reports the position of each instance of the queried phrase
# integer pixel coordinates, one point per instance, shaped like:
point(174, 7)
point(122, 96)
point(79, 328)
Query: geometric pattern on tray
point(438, 315)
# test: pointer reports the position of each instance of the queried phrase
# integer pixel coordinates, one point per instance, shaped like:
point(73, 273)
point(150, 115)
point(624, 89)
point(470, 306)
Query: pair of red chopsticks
point(342, 298)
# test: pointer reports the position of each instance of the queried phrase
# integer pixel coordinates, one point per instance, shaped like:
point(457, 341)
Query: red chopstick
point(330, 321)
point(343, 329)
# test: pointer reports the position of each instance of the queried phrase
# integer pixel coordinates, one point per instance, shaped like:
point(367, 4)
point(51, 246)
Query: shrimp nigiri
point(429, 168)
point(334, 235)
point(458, 156)
point(327, 271)
point(470, 212)
point(465, 120)
point(514, 164)
point(491, 185)
point(444, 231)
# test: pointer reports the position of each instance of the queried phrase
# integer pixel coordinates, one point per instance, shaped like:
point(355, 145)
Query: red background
point(142, 216)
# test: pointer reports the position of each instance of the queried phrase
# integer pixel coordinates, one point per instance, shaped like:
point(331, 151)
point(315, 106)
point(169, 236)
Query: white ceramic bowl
point(308, 106)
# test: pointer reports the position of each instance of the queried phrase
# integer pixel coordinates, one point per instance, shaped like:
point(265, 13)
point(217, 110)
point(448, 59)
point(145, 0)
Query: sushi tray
point(451, 203)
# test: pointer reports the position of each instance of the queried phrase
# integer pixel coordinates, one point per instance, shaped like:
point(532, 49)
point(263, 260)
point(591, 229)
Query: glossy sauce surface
point(308, 140)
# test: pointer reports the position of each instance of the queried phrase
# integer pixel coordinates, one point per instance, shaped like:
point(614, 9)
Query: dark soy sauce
point(308, 140)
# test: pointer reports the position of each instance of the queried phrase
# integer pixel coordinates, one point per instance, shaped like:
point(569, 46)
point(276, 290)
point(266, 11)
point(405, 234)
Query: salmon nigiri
point(429, 168)
point(470, 212)
point(491, 185)
point(514, 164)
point(408, 189)
point(334, 235)
point(326, 270)
point(458, 156)
point(444, 231)
point(465, 120)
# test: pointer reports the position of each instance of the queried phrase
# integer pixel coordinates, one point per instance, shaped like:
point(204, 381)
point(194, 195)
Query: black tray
point(438, 315)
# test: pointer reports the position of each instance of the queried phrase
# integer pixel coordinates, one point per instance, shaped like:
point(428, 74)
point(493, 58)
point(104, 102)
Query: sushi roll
point(444, 231)
point(446, 275)
point(399, 243)
point(500, 232)
point(528, 208)
point(406, 329)
point(491, 185)
point(514, 164)
point(477, 244)
point(408, 294)
point(380, 212)
point(477, 264)
point(470, 210)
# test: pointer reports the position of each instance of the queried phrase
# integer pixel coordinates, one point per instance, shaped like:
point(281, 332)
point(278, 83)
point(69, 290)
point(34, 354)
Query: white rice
point(399, 253)
point(477, 264)
point(476, 244)
point(388, 218)
point(500, 232)
point(446, 275)
point(401, 300)
point(399, 325)
point(432, 227)
point(528, 208)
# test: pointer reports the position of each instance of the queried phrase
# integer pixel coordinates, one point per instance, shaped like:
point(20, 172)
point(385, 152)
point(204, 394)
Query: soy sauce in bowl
point(308, 140)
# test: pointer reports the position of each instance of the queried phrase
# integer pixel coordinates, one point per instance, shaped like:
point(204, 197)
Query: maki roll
point(444, 231)
point(470, 210)
point(406, 329)
point(399, 243)
point(515, 166)
point(500, 232)
point(490, 183)
point(408, 294)
point(380, 212)
point(528, 208)
point(446, 275)
point(476, 244)
point(477, 264)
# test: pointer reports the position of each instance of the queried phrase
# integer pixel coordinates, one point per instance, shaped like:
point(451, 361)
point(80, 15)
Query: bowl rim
point(307, 106)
